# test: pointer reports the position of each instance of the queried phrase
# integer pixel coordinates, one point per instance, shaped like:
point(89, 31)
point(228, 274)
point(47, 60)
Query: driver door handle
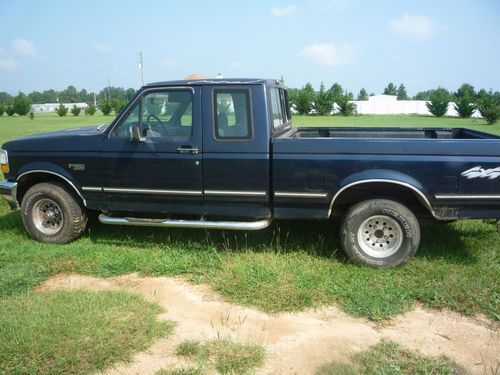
point(184, 149)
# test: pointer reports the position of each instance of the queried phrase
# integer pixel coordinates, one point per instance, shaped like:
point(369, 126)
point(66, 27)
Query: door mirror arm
point(136, 134)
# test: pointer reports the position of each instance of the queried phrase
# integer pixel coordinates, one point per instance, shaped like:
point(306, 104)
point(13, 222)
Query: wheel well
point(383, 190)
point(31, 179)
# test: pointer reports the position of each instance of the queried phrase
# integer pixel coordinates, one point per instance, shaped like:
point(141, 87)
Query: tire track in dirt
point(296, 343)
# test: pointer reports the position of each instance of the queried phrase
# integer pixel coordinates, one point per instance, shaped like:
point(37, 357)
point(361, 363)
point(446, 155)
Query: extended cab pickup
point(223, 154)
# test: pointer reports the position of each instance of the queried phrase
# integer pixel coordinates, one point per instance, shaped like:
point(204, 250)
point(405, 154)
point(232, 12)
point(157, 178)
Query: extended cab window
point(279, 112)
point(232, 114)
point(161, 115)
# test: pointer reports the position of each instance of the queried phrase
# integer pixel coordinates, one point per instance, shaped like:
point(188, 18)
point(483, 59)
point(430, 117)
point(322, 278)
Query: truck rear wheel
point(52, 214)
point(380, 233)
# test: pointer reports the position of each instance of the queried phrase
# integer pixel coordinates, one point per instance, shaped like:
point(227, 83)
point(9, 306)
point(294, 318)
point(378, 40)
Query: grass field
point(287, 267)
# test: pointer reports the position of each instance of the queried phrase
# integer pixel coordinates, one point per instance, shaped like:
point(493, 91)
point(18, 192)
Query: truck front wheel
point(52, 214)
point(380, 233)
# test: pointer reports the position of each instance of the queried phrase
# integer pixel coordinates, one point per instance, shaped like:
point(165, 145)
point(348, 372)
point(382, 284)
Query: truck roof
point(217, 81)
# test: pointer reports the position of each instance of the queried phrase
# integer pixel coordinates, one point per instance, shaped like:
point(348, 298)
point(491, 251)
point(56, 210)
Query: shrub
point(439, 100)
point(10, 110)
point(118, 105)
point(304, 99)
point(464, 107)
point(32, 115)
point(489, 109)
point(324, 101)
point(22, 104)
point(90, 110)
point(62, 110)
point(75, 111)
point(106, 107)
point(346, 108)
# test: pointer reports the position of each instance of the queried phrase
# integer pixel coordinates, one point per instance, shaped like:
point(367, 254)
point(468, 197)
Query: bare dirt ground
point(296, 343)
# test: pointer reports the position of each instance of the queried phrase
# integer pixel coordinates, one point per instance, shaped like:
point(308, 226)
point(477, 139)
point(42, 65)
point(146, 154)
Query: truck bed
point(419, 133)
point(387, 141)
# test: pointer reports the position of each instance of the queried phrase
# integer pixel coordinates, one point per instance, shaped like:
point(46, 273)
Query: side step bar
point(234, 225)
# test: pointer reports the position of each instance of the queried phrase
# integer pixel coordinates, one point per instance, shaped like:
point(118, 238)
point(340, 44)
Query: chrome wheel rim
point(380, 236)
point(47, 216)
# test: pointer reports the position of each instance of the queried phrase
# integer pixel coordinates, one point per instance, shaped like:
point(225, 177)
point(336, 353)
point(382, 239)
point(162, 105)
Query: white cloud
point(169, 63)
point(329, 54)
point(284, 11)
point(8, 64)
point(24, 47)
point(413, 26)
point(103, 47)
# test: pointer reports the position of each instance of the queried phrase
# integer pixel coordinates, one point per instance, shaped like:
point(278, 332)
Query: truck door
point(162, 172)
point(236, 165)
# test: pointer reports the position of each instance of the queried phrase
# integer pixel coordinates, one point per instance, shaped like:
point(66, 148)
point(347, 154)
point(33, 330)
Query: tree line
point(306, 100)
point(109, 99)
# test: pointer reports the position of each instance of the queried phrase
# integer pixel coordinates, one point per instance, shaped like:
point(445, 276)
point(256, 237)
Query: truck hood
point(85, 138)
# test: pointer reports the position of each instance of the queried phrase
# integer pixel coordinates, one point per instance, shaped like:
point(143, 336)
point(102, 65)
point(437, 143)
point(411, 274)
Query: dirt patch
point(296, 343)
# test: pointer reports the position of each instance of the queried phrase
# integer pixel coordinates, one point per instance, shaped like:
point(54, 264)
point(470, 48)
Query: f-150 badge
point(479, 172)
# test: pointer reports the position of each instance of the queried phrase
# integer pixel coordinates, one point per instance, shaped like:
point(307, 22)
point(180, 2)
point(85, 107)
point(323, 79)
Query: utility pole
point(140, 64)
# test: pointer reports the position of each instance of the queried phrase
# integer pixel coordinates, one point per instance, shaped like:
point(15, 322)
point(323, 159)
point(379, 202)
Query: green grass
point(74, 332)
point(388, 358)
point(287, 267)
point(225, 356)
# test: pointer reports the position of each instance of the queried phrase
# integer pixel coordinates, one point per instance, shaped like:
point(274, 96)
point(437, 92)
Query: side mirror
point(136, 134)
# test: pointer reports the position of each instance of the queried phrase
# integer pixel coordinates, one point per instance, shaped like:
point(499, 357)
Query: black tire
point(380, 233)
point(53, 214)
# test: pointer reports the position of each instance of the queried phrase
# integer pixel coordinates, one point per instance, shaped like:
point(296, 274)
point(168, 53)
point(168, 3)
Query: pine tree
point(363, 95)
point(75, 111)
point(62, 110)
point(336, 91)
point(402, 95)
point(22, 104)
point(304, 99)
point(390, 89)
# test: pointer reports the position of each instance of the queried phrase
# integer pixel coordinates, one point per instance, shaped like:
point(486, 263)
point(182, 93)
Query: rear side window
point(279, 111)
point(232, 110)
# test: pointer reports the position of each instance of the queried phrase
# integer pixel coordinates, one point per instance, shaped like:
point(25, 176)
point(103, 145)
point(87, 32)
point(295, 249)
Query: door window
point(161, 115)
point(232, 114)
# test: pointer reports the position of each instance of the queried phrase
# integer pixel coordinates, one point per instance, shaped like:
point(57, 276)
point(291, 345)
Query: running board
point(234, 225)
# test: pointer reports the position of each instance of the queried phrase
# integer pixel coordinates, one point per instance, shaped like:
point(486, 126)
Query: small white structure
point(52, 107)
point(390, 105)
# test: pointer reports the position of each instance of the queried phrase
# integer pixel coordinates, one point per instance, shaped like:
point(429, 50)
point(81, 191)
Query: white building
point(389, 105)
point(52, 107)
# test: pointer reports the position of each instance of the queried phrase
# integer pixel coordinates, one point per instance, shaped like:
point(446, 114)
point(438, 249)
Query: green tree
point(5, 98)
point(304, 99)
point(324, 101)
point(466, 91)
point(464, 106)
point(75, 111)
point(62, 110)
point(424, 95)
point(390, 89)
point(346, 108)
point(106, 107)
point(489, 108)
point(118, 105)
point(32, 115)
point(336, 91)
point(10, 110)
point(363, 95)
point(401, 93)
point(2, 109)
point(22, 104)
point(439, 100)
point(90, 110)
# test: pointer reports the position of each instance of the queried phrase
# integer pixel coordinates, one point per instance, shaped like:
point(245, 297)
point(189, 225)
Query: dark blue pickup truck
point(223, 154)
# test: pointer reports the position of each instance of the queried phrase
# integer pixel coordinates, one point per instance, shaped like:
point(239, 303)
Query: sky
point(358, 43)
